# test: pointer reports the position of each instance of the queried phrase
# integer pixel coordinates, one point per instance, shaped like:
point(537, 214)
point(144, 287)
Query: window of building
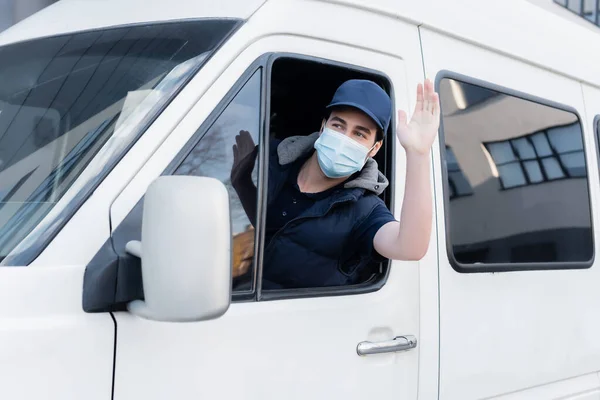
point(588, 9)
point(511, 141)
point(458, 184)
point(555, 153)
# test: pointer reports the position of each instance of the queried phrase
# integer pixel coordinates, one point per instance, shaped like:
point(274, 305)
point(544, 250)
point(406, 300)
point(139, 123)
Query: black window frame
point(597, 136)
point(506, 267)
point(265, 64)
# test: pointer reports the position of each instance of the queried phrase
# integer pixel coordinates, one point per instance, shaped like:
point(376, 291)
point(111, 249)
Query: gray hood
point(295, 147)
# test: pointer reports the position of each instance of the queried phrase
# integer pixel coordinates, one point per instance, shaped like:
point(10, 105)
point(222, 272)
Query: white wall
point(13, 11)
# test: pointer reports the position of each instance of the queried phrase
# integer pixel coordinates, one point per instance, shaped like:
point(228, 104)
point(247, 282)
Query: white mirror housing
point(185, 250)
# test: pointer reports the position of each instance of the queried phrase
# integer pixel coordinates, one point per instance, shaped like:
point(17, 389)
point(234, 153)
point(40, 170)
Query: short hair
point(379, 136)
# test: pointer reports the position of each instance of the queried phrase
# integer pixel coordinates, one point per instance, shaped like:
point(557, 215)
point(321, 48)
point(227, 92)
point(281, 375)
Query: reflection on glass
point(502, 152)
point(527, 174)
point(534, 173)
point(212, 157)
point(524, 149)
point(457, 181)
point(71, 105)
point(574, 163)
point(552, 168)
point(512, 175)
point(560, 150)
point(540, 142)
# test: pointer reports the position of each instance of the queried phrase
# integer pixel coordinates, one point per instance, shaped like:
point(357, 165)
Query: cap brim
point(361, 108)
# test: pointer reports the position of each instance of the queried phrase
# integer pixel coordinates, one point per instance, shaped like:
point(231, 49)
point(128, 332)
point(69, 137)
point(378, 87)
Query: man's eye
point(359, 134)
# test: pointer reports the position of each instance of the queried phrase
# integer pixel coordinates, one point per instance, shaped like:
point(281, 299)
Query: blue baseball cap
point(368, 97)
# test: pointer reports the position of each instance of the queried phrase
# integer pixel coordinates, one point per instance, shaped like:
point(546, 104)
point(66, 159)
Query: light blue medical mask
point(338, 155)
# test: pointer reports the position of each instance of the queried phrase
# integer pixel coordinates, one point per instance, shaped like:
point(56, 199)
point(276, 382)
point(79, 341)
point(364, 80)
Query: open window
point(299, 90)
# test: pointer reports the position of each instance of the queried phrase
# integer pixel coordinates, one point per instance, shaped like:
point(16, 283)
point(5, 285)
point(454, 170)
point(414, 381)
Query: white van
point(105, 105)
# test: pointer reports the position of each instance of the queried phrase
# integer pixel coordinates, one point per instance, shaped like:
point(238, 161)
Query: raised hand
point(418, 134)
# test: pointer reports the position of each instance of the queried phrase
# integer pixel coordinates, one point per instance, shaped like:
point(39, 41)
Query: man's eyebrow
point(339, 120)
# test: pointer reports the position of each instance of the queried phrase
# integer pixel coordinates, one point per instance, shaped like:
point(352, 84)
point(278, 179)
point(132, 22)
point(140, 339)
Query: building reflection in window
point(551, 154)
point(458, 184)
point(518, 168)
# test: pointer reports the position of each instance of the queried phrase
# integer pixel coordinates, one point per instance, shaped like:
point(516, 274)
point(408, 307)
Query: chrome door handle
point(400, 343)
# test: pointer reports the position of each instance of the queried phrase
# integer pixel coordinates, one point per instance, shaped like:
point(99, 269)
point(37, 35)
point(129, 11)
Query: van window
point(522, 162)
point(212, 156)
point(313, 83)
point(71, 105)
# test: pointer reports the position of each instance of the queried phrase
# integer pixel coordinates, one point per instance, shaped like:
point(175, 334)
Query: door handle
point(399, 343)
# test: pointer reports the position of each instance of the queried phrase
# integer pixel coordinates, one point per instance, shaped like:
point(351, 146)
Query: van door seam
point(435, 196)
point(112, 391)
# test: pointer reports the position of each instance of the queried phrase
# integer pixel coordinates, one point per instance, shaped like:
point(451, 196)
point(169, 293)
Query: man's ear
point(378, 145)
point(323, 123)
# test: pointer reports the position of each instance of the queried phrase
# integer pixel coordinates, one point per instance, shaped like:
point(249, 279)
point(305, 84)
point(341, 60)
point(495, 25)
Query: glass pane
point(524, 149)
point(574, 163)
point(589, 10)
point(451, 188)
point(71, 105)
point(506, 219)
point(552, 168)
point(542, 147)
point(501, 152)
point(575, 6)
point(213, 157)
point(451, 162)
point(566, 138)
point(460, 182)
point(534, 171)
point(511, 175)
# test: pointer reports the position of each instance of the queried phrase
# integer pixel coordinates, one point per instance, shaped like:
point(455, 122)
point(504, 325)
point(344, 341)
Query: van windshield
point(72, 105)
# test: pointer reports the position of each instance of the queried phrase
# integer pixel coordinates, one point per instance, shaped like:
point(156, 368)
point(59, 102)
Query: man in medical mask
point(325, 220)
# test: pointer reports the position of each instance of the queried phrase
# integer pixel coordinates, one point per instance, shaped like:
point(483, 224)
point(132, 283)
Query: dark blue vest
point(317, 248)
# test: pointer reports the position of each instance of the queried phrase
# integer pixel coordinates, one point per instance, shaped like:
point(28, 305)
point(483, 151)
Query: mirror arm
point(134, 247)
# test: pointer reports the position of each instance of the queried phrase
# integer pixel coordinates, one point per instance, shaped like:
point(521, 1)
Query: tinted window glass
point(213, 157)
point(71, 105)
point(525, 165)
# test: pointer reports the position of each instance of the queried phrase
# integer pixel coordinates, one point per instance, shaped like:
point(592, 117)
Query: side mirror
point(185, 250)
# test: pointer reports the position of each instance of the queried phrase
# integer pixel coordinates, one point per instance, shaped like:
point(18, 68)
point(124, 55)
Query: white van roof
point(76, 15)
point(518, 28)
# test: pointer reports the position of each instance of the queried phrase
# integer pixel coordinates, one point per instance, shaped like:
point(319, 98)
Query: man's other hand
point(244, 156)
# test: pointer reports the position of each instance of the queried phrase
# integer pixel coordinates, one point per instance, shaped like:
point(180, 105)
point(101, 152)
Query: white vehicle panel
point(506, 332)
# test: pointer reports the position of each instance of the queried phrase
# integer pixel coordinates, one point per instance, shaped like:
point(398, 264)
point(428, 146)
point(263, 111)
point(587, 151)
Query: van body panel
point(50, 348)
point(517, 329)
point(277, 355)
